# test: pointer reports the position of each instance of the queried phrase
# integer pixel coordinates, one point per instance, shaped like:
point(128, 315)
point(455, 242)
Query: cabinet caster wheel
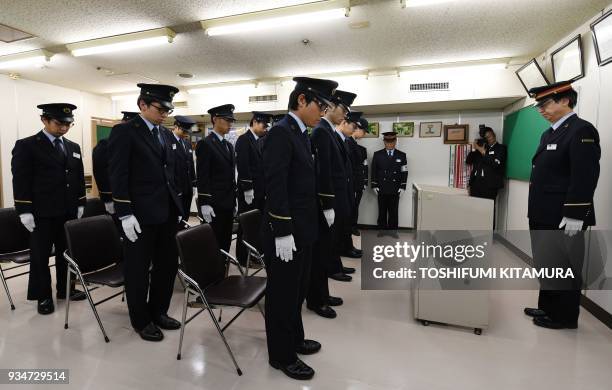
point(477, 331)
point(425, 322)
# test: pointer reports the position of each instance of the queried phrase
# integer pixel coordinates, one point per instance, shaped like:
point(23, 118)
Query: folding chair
point(205, 272)
point(94, 256)
point(14, 247)
point(250, 222)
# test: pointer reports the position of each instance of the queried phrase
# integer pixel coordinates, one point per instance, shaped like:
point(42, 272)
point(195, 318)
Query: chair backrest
point(93, 243)
point(250, 222)
point(200, 256)
point(93, 207)
point(15, 237)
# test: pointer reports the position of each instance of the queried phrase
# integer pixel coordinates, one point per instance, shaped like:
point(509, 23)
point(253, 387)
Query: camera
point(482, 130)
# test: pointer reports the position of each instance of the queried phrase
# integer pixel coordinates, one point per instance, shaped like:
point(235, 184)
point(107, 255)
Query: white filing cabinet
point(444, 208)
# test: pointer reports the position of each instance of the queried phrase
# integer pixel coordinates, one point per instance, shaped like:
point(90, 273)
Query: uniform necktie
point(389, 152)
point(59, 146)
point(307, 138)
point(227, 148)
point(156, 134)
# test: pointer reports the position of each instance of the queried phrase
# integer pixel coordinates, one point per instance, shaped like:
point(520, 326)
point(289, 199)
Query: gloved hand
point(248, 196)
point(330, 215)
point(80, 212)
point(400, 191)
point(375, 190)
point(27, 220)
point(207, 213)
point(110, 207)
point(365, 187)
point(572, 226)
point(180, 218)
point(131, 227)
point(285, 247)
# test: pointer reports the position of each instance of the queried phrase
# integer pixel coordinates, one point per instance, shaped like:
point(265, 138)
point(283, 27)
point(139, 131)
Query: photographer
point(488, 162)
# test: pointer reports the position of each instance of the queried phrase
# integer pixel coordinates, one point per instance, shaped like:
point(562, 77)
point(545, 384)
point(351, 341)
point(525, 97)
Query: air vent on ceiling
point(9, 34)
point(263, 98)
point(426, 87)
point(179, 104)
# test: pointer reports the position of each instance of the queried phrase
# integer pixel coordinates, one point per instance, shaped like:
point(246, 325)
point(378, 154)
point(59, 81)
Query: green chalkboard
point(522, 132)
point(102, 132)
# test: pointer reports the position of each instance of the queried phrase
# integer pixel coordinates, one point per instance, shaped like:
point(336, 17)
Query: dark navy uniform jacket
point(216, 168)
point(564, 174)
point(389, 174)
point(359, 163)
point(250, 169)
point(99, 157)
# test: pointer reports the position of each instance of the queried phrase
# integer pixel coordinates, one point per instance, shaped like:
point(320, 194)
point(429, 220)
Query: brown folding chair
point(94, 256)
point(250, 222)
point(14, 247)
point(205, 273)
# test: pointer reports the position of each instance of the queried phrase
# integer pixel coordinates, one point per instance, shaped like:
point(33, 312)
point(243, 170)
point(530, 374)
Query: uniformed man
point(99, 157)
point(251, 193)
point(488, 171)
point(332, 190)
point(143, 173)
point(290, 224)
point(49, 189)
point(185, 165)
point(389, 177)
point(216, 176)
point(564, 176)
point(359, 163)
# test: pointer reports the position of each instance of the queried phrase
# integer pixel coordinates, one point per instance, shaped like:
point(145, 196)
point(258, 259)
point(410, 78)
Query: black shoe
point(532, 312)
point(341, 277)
point(296, 370)
point(151, 333)
point(353, 253)
point(348, 270)
point(168, 323)
point(45, 306)
point(334, 301)
point(355, 232)
point(394, 234)
point(323, 311)
point(547, 322)
point(75, 295)
point(308, 347)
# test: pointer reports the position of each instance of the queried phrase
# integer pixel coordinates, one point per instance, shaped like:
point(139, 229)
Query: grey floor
point(373, 344)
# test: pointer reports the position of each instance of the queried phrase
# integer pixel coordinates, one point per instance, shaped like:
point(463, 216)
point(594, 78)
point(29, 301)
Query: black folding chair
point(250, 222)
point(94, 256)
point(205, 272)
point(14, 247)
point(93, 207)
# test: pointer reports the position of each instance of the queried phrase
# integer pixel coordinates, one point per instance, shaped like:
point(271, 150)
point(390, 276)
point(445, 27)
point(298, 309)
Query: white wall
point(20, 118)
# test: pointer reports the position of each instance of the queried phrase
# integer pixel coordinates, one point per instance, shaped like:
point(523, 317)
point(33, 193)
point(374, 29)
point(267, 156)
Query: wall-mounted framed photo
point(456, 134)
point(567, 62)
point(404, 129)
point(374, 130)
point(430, 129)
point(531, 75)
point(602, 38)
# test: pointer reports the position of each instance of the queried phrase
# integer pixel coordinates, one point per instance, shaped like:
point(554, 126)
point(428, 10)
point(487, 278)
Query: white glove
point(80, 212)
point(131, 227)
point(207, 213)
point(27, 220)
point(572, 226)
point(248, 196)
point(285, 247)
point(110, 207)
point(330, 215)
point(180, 218)
point(365, 187)
point(400, 191)
point(375, 190)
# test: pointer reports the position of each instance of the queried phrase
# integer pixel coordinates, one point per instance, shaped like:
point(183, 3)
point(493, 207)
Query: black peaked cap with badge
point(161, 93)
point(354, 116)
point(321, 89)
point(548, 91)
point(223, 111)
point(277, 118)
point(344, 98)
point(363, 125)
point(263, 117)
point(127, 115)
point(184, 122)
point(59, 111)
point(389, 136)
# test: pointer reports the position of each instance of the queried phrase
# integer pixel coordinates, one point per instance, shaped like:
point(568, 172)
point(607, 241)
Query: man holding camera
point(488, 162)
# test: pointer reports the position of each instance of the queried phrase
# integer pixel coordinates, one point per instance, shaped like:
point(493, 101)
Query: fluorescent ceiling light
point(421, 3)
point(122, 42)
point(26, 58)
point(276, 18)
point(453, 67)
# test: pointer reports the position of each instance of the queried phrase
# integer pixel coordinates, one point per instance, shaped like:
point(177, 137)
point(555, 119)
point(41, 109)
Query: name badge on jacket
point(76, 155)
point(492, 152)
point(173, 146)
point(551, 147)
point(398, 160)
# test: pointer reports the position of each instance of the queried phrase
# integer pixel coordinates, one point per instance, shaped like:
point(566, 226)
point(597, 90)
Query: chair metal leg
point(68, 295)
point(229, 350)
point(123, 295)
point(220, 313)
point(261, 310)
point(8, 294)
point(93, 307)
point(183, 323)
point(248, 262)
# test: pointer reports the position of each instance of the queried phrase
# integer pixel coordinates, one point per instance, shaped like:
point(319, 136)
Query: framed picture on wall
point(567, 62)
point(531, 75)
point(404, 129)
point(374, 130)
point(602, 38)
point(456, 134)
point(430, 129)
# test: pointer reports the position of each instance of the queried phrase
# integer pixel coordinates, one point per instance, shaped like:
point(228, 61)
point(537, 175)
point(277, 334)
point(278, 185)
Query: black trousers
point(388, 205)
point(342, 242)
point(358, 195)
point(155, 248)
point(222, 224)
point(560, 300)
point(187, 198)
point(322, 253)
point(48, 232)
point(285, 292)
